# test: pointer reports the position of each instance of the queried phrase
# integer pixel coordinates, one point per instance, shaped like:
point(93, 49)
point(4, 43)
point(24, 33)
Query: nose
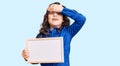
point(55, 14)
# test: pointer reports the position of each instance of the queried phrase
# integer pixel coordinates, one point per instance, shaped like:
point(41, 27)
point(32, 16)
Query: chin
point(56, 23)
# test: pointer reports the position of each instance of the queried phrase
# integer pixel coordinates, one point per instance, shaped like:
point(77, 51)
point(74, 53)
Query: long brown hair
point(46, 25)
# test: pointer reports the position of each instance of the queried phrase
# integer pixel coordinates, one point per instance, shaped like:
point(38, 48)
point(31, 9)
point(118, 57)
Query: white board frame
point(42, 52)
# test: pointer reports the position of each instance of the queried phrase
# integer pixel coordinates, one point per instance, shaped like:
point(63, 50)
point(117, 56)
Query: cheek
point(49, 18)
point(61, 18)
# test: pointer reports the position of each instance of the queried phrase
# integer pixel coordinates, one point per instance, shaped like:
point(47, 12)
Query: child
point(57, 24)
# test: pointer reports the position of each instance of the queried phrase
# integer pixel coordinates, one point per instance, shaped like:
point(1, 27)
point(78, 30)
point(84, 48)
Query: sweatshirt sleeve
point(77, 17)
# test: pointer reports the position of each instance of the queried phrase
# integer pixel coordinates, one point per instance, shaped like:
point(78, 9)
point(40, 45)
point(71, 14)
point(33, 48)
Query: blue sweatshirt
point(67, 33)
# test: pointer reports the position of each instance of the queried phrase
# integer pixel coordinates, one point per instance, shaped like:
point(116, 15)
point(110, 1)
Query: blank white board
point(45, 50)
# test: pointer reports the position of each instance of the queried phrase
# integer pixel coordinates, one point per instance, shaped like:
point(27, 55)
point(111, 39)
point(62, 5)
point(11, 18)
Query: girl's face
point(55, 19)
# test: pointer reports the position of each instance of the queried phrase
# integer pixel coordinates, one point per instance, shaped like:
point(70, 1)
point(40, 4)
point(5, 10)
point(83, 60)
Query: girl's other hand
point(25, 54)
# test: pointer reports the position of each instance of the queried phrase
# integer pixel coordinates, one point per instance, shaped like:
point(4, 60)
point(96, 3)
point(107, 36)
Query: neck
point(52, 27)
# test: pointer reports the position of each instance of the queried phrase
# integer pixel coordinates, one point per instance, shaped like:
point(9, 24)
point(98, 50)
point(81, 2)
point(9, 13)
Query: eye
point(50, 12)
point(59, 13)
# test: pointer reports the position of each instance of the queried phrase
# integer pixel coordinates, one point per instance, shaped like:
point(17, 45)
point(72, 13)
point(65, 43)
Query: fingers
point(25, 54)
point(55, 8)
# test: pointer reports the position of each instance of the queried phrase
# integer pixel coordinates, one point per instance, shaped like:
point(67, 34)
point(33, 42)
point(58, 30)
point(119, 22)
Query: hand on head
point(55, 8)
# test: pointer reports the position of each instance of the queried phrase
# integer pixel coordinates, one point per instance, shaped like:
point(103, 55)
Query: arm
point(77, 17)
